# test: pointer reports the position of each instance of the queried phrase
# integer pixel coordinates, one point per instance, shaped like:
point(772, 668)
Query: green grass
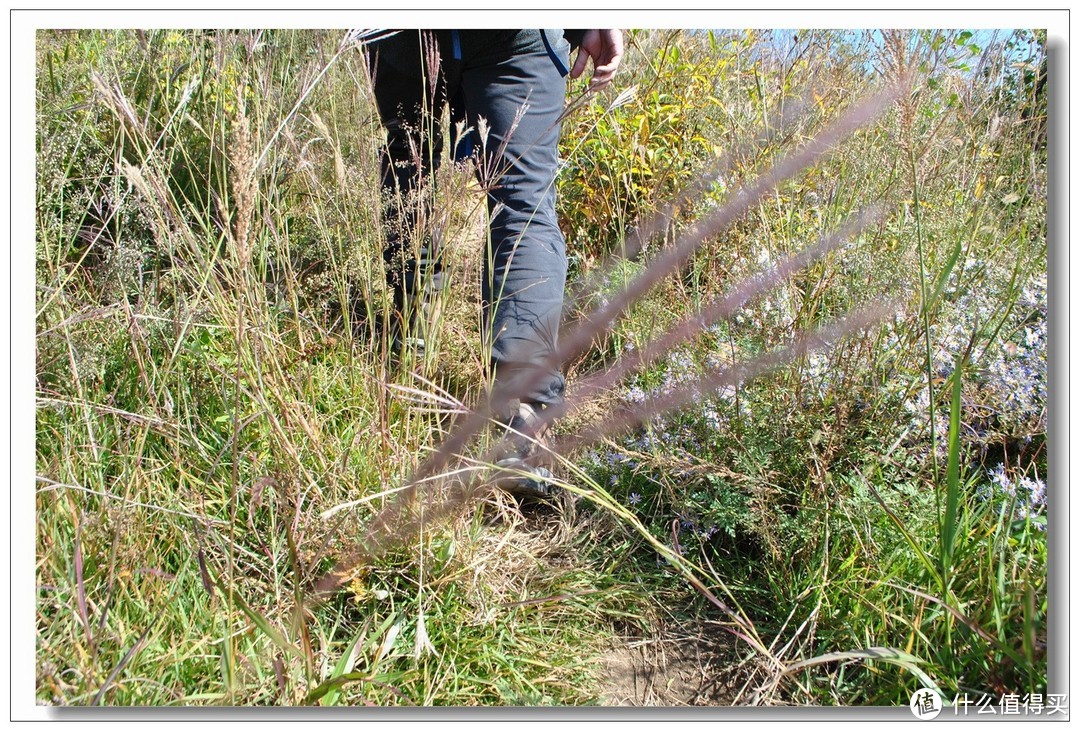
point(219, 422)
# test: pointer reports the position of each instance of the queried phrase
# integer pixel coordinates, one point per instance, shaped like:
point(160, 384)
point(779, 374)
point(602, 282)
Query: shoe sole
point(538, 485)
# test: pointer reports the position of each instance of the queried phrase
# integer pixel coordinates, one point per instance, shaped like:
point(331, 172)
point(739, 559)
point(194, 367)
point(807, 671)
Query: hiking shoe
point(524, 438)
point(520, 452)
point(525, 482)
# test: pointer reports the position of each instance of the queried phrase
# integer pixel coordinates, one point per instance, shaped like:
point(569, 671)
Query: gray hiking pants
point(507, 89)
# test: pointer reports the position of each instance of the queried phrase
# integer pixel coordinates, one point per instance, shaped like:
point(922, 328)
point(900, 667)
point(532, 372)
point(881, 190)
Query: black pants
point(506, 88)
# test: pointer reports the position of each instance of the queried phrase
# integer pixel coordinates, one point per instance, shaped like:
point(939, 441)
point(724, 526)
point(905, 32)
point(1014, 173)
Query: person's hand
point(605, 48)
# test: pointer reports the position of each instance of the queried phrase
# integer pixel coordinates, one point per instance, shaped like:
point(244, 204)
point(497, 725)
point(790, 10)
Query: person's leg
point(410, 95)
point(518, 92)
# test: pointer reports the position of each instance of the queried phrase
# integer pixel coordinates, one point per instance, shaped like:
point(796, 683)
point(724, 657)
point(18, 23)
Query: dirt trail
point(688, 666)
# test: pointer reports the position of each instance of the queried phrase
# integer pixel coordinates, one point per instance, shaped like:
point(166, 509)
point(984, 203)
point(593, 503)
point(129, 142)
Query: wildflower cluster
point(1017, 371)
point(690, 430)
point(1020, 497)
point(666, 469)
point(1004, 398)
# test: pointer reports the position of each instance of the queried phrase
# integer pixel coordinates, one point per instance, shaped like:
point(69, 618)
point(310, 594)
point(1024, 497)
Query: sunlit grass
point(220, 422)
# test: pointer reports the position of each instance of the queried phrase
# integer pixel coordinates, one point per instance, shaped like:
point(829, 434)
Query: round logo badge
point(925, 704)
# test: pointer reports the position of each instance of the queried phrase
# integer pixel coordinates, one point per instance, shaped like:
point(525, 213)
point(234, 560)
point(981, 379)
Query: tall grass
point(220, 424)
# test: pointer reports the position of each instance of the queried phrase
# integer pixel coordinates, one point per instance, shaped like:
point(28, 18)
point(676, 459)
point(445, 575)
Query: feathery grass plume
point(800, 345)
point(243, 185)
point(899, 61)
point(722, 308)
point(578, 338)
